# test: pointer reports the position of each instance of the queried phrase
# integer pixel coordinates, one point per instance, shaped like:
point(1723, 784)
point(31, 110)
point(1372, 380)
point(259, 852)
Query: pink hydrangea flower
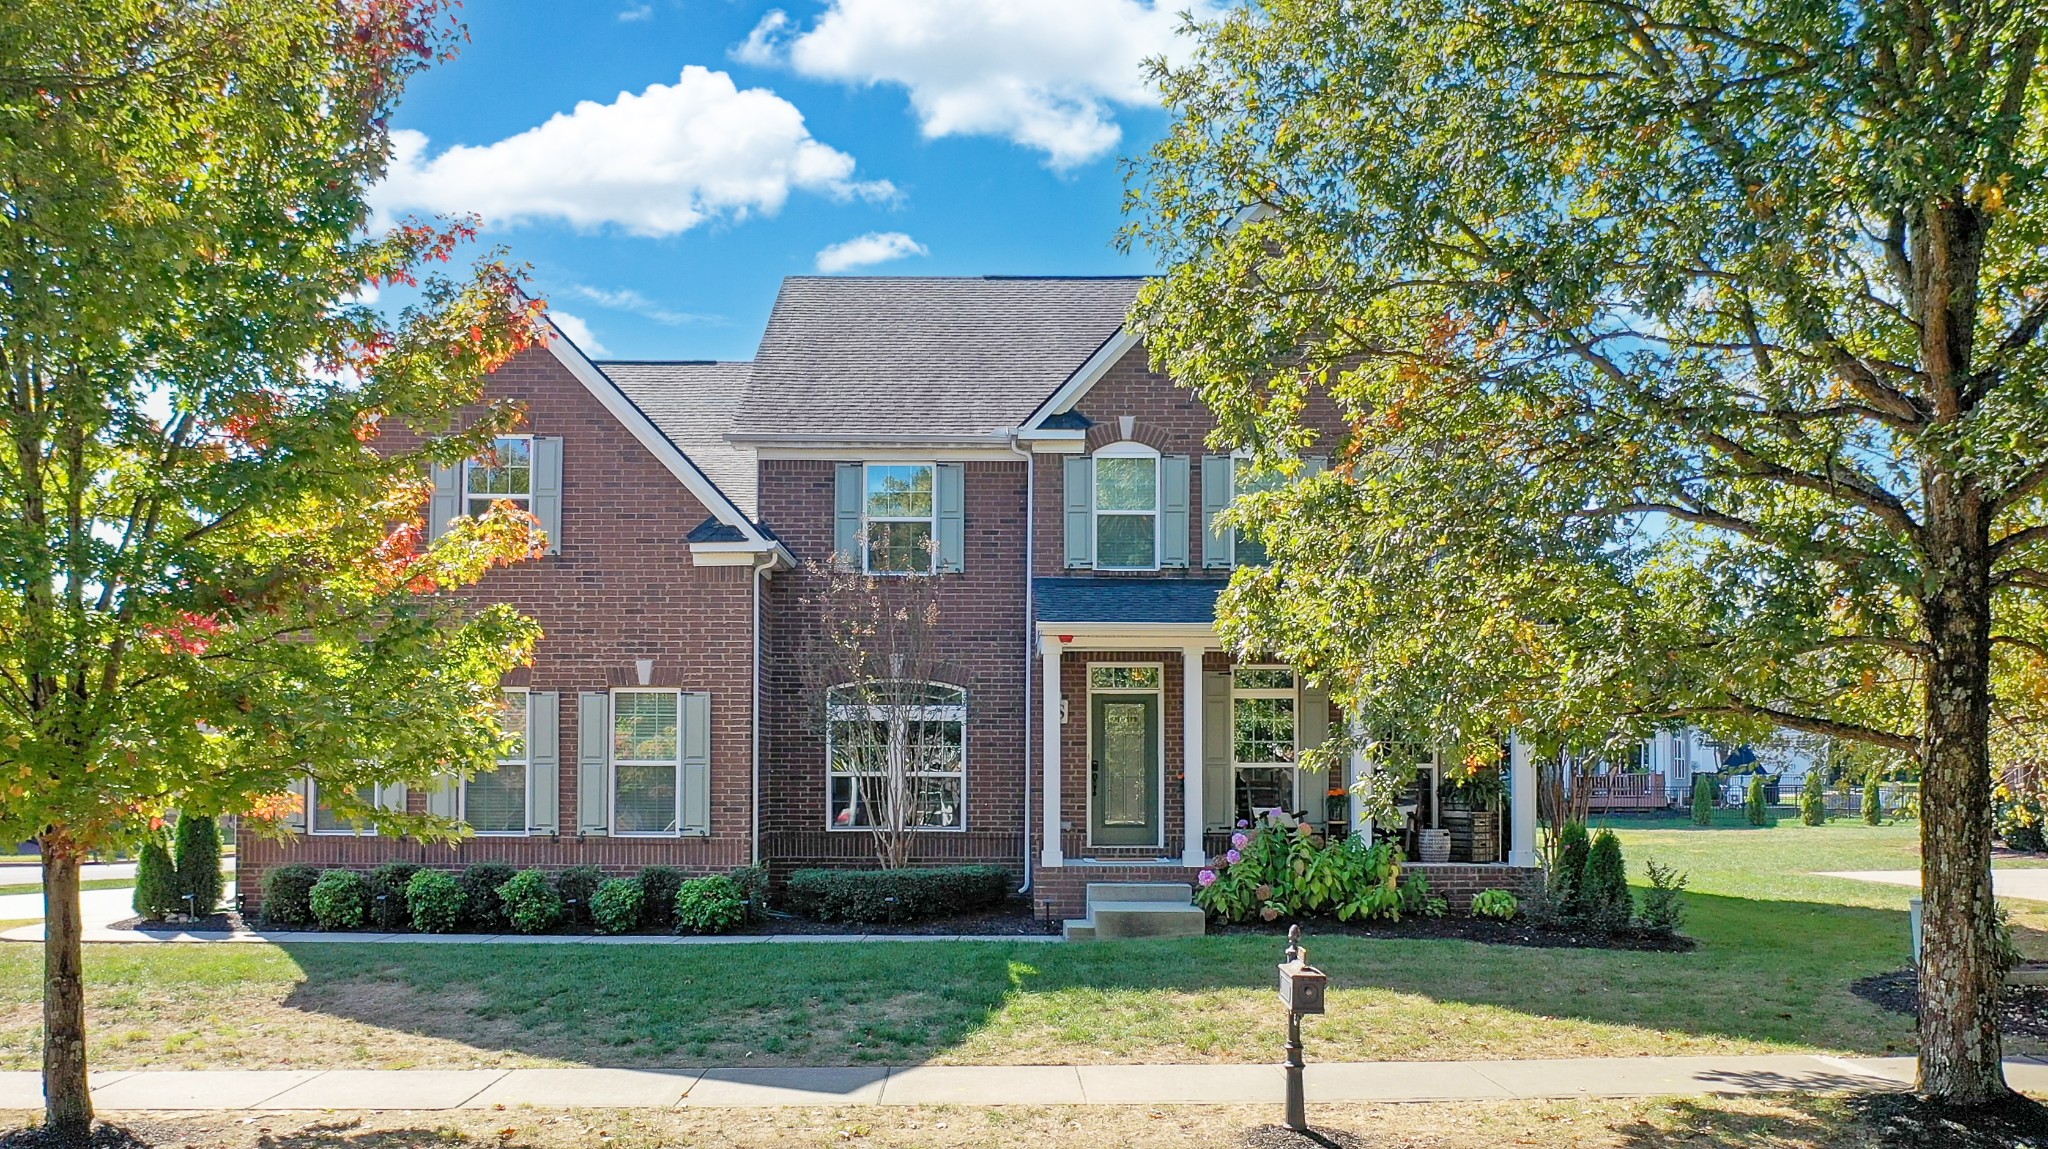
point(1234, 857)
point(1241, 823)
point(1238, 840)
point(1206, 877)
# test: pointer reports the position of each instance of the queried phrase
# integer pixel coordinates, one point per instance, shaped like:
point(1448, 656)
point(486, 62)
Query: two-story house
point(1003, 433)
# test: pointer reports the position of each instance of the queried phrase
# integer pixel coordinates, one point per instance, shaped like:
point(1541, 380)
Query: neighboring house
point(1006, 430)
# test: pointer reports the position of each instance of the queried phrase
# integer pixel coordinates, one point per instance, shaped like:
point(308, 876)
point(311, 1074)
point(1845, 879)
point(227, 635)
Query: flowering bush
point(2018, 814)
point(1280, 869)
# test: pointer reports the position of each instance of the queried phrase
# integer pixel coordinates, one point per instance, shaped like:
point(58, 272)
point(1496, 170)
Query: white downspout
point(760, 576)
point(1030, 627)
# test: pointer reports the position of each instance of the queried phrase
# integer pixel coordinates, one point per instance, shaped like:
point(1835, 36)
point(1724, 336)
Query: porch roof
point(1136, 600)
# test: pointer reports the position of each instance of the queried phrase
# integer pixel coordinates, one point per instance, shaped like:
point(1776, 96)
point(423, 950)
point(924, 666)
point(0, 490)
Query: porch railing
point(1623, 791)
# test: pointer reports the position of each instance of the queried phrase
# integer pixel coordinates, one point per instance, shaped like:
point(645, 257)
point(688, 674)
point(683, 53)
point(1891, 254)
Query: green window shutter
point(1217, 800)
point(952, 483)
point(296, 822)
point(848, 503)
point(1080, 503)
point(1313, 465)
point(391, 797)
point(547, 489)
point(543, 761)
point(447, 501)
point(1218, 542)
point(1311, 729)
point(1173, 511)
point(442, 799)
point(696, 764)
point(594, 763)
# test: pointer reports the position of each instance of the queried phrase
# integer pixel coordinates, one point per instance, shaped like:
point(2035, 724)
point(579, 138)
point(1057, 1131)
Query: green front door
point(1124, 769)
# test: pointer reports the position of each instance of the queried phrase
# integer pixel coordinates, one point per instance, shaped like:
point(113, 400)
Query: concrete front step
point(1148, 920)
point(1179, 893)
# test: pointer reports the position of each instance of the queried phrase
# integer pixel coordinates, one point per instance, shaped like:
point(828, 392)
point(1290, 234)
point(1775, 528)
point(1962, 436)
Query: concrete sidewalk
point(103, 935)
point(414, 1089)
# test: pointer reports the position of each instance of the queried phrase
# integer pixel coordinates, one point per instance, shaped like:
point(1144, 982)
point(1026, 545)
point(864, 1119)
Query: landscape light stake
point(1301, 991)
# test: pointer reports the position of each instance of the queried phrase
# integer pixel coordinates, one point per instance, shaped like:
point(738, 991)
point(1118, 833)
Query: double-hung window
point(896, 756)
point(900, 517)
point(505, 472)
point(324, 820)
point(647, 761)
point(495, 802)
point(1264, 742)
point(1127, 508)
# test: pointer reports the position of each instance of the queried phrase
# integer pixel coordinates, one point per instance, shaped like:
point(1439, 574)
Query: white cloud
point(656, 163)
point(627, 299)
point(867, 250)
point(578, 332)
point(1047, 74)
point(636, 13)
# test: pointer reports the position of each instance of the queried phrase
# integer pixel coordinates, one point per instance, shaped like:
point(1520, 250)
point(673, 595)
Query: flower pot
point(1475, 835)
point(1434, 845)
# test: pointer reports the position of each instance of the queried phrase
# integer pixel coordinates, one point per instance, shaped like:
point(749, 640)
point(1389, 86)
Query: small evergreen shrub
point(576, 886)
point(341, 900)
point(1873, 802)
point(482, 909)
point(288, 894)
point(753, 884)
point(710, 905)
point(434, 899)
point(615, 907)
point(1603, 892)
point(1662, 911)
point(390, 905)
point(156, 883)
point(1706, 793)
point(1500, 905)
point(1756, 807)
point(1813, 798)
point(905, 895)
point(1568, 872)
point(658, 886)
point(531, 904)
point(198, 862)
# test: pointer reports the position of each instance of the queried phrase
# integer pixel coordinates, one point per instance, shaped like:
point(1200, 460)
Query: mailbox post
point(1301, 991)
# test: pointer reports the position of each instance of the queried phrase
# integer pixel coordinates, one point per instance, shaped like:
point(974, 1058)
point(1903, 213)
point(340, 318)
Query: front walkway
point(413, 1089)
point(2030, 884)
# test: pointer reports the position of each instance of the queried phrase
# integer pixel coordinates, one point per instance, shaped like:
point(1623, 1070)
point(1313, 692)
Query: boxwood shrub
point(482, 909)
point(710, 905)
point(389, 907)
point(288, 894)
point(615, 908)
point(341, 900)
point(906, 895)
point(658, 886)
point(577, 885)
point(531, 904)
point(435, 901)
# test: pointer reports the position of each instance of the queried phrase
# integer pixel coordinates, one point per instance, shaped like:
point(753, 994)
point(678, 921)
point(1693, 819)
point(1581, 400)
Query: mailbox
point(1302, 986)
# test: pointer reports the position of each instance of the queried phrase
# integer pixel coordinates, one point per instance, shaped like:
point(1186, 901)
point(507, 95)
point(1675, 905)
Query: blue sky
point(662, 164)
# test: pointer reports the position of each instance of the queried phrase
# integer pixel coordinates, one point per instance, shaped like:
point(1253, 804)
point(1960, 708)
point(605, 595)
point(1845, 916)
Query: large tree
point(1693, 359)
point(211, 577)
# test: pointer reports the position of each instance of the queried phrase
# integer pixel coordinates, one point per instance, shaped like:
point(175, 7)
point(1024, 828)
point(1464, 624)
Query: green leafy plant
point(531, 904)
point(753, 884)
point(1604, 897)
point(1500, 905)
point(341, 900)
point(1757, 807)
point(576, 886)
point(658, 886)
point(483, 909)
point(156, 883)
point(1568, 873)
point(434, 899)
point(198, 862)
point(713, 905)
point(390, 907)
point(2019, 812)
point(615, 907)
point(1813, 798)
point(288, 894)
point(1706, 792)
point(1662, 911)
point(1873, 802)
point(1417, 899)
point(901, 895)
point(1278, 869)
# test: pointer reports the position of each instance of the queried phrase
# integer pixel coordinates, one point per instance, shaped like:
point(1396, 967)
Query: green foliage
point(1706, 794)
point(1416, 898)
point(658, 886)
point(340, 900)
point(288, 894)
point(1500, 905)
point(901, 895)
point(156, 883)
point(712, 905)
point(434, 900)
point(1283, 870)
point(531, 904)
point(1603, 893)
point(390, 907)
point(1662, 911)
point(753, 884)
point(615, 907)
point(1568, 873)
point(2019, 811)
point(198, 862)
point(576, 886)
point(1756, 806)
point(1813, 801)
point(483, 909)
point(1873, 801)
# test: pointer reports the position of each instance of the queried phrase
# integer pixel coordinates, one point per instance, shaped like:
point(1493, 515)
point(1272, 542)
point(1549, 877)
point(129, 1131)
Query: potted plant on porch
point(1471, 797)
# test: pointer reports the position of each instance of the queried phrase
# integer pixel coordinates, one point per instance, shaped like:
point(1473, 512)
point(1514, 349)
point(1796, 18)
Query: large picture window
point(1264, 742)
point(323, 819)
point(505, 472)
point(1126, 508)
point(897, 747)
point(495, 802)
point(900, 517)
point(647, 761)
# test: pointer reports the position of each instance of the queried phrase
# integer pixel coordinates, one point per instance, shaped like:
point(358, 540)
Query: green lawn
point(92, 884)
point(1778, 950)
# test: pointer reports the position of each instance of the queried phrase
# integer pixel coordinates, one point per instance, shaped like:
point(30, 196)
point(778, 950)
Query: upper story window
point(900, 517)
point(1264, 743)
point(504, 472)
point(1248, 549)
point(1127, 507)
point(494, 802)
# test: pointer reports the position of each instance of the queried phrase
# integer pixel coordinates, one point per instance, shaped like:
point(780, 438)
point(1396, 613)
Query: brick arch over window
point(1110, 431)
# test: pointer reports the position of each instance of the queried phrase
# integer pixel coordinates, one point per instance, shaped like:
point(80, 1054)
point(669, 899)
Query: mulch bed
point(1010, 920)
point(1487, 930)
point(2022, 1009)
point(1903, 1121)
point(104, 1136)
point(1281, 1137)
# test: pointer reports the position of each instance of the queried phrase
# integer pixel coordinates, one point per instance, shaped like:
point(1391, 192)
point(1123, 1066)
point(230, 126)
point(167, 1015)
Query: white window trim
point(525, 742)
point(1293, 694)
point(525, 500)
point(1088, 787)
point(313, 813)
point(867, 550)
point(611, 756)
point(1127, 449)
point(943, 712)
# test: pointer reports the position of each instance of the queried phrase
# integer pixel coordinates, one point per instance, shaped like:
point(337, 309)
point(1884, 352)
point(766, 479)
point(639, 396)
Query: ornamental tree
point(212, 580)
point(1693, 365)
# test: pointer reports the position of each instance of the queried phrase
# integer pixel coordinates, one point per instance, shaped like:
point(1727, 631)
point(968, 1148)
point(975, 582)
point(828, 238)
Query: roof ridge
point(673, 362)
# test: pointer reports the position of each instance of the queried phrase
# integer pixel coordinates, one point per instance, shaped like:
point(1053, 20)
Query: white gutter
point(1030, 642)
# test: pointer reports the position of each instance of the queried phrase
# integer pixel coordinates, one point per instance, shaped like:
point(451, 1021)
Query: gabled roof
point(852, 358)
point(1147, 600)
point(693, 402)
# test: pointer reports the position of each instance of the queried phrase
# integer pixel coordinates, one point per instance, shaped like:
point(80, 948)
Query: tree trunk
point(67, 1102)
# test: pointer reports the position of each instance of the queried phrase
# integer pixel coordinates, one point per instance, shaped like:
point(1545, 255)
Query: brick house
point(1004, 431)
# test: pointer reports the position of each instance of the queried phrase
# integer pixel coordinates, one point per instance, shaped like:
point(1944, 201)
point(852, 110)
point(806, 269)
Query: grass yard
point(1778, 950)
point(89, 884)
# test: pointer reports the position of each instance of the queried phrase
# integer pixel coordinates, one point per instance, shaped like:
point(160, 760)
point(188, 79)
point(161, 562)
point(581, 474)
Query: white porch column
point(1192, 798)
point(1522, 780)
point(1050, 855)
point(1361, 769)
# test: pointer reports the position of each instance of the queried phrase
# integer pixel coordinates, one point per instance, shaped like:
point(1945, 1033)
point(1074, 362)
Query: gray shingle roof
point(1085, 599)
point(889, 356)
point(693, 403)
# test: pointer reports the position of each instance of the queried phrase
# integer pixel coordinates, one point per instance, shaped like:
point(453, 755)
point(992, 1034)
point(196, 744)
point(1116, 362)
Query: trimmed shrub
point(482, 909)
point(390, 904)
point(1813, 798)
point(1706, 793)
point(1756, 807)
point(1500, 905)
point(905, 895)
point(156, 883)
point(531, 904)
point(576, 886)
point(615, 907)
point(198, 861)
point(341, 900)
point(753, 884)
point(1873, 802)
point(1568, 872)
point(1603, 892)
point(434, 899)
point(710, 905)
point(1662, 912)
point(658, 886)
point(288, 894)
